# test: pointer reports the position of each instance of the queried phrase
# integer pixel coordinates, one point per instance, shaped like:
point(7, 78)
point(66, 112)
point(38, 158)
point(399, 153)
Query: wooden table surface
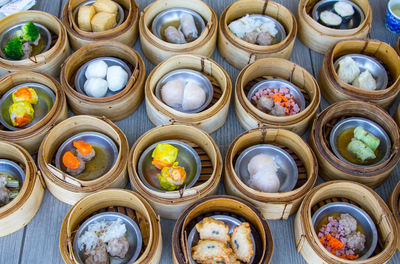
point(38, 241)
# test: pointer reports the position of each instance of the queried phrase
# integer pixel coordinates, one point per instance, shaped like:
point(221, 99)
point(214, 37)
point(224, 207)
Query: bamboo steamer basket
point(396, 115)
point(210, 119)
point(157, 50)
point(280, 205)
point(126, 33)
point(20, 211)
point(31, 137)
point(331, 167)
point(394, 205)
point(70, 189)
point(397, 46)
point(117, 106)
point(306, 238)
point(334, 89)
point(171, 204)
point(114, 200)
point(238, 52)
point(226, 205)
point(47, 62)
point(320, 38)
point(250, 116)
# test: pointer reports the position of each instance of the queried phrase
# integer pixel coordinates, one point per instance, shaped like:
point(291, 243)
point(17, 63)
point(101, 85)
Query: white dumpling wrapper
point(193, 96)
point(261, 161)
point(117, 78)
point(172, 93)
point(265, 180)
point(365, 81)
point(96, 69)
point(188, 26)
point(96, 87)
point(348, 69)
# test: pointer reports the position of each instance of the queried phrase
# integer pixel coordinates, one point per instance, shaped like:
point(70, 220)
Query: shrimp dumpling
point(193, 96)
point(172, 93)
point(189, 27)
point(259, 162)
point(265, 180)
point(348, 69)
point(365, 81)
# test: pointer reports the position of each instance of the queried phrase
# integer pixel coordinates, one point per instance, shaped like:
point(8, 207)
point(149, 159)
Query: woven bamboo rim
point(238, 52)
point(251, 117)
point(397, 46)
point(225, 204)
point(334, 89)
point(158, 50)
point(47, 62)
point(272, 205)
point(394, 205)
point(149, 223)
point(331, 167)
point(210, 119)
point(117, 106)
point(31, 137)
point(171, 204)
point(126, 33)
point(306, 238)
point(69, 189)
point(20, 211)
point(320, 38)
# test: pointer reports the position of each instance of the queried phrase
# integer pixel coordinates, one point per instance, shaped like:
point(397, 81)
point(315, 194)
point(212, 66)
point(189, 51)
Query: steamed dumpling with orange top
point(84, 150)
point(25, 94)
point(21, 113)
point(73, 164)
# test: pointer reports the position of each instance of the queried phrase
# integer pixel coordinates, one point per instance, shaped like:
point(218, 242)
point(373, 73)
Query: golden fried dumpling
point(21, 113)
point(85, 15)
point(103, 21)
point(106, 6)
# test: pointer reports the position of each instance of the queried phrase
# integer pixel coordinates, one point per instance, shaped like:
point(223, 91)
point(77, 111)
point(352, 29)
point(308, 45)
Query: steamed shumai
point(21, 113)
point(25, 94)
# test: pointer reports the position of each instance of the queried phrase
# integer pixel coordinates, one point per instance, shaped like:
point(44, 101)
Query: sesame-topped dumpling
point(213, 229)
point(241, 242)
point(211, 250)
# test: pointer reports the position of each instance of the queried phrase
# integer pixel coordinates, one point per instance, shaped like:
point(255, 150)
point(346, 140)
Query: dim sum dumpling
point(265, 180)
point(261, 161)
point(96, 69)
point(173, 35)
point(343, 9)
point(365, 81)
point(117, 78)
point(172, 93)
point(348, 69)
point(330, 19)
point(189, 27)
point(193, 96)
point(96, 87)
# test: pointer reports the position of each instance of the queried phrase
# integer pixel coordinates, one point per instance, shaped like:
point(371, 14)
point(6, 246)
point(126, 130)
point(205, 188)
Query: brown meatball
point(118, 247)
point(97, 256)
point(250, 37)
point(264, 39)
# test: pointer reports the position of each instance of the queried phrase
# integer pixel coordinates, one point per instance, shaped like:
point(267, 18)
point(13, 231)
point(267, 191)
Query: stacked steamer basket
point(321, 38)
point(227, 207)
point(237, 51)
point(170, 204)
point(331, 167)
point(30, 137)
point(209, 119)
point(70, 189)
point(394, 206)
point(249, 116)
point(334, 89)
point(20, 211)
point(125, 32)
point(158, 50)
point(47, 62)
point(114, 200)
point(353, 194)
point(276, 205)
point(117, 105)
point(397, 46)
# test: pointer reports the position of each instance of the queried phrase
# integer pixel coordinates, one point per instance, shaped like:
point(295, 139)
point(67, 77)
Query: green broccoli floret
point(13, 49)
point(28, 32)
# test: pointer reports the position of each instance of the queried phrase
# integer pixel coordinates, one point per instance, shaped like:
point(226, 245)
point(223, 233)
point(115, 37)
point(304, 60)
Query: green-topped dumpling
point(367, 138)
point(362, 151)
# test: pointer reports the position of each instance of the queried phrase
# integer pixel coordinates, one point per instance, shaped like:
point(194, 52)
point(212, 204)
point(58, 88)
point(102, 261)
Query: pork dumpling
point(261, 161)
point(172, 93)
point(96, 69)
point(189, 27)
point(365, 81)
point(265, 180)
point(116, 78)
point(193, 96)
point(173, 35)
point(96, 87)
point(348, 69)
point(251, 37)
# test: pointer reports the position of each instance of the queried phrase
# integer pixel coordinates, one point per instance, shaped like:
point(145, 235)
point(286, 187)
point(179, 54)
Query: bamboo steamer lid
point(126, 33)
point(227, 205)
point(320, 38)
point(331, 167)
point(20, 211)
point(210, 119)
point(157, 50)
point(238, 52)
point(306, 238)
point(31, 137)
point(69, 189)
point(122, 201)
point(394, 205)
point(272, 205)
point(250, 116)
point(117, 106)
point(334, 89)
point(47, 62)
point(171, 204)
